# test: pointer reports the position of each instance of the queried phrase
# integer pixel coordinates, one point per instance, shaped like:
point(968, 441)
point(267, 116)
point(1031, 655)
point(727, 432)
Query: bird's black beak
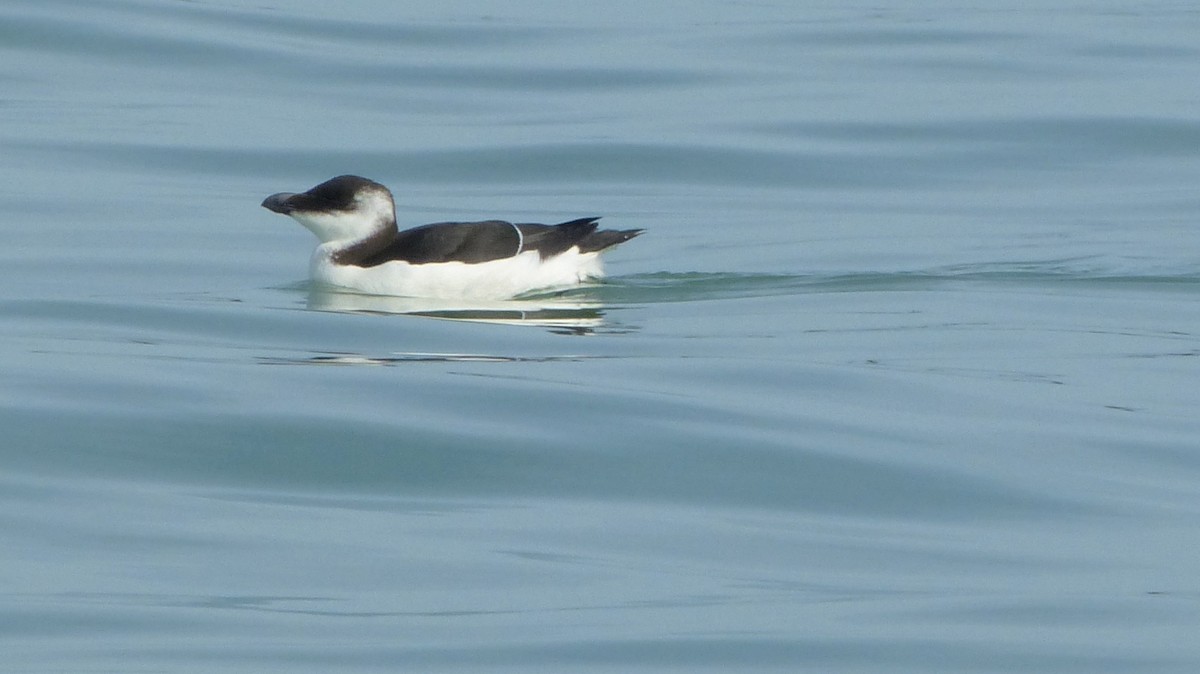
point(279, 203)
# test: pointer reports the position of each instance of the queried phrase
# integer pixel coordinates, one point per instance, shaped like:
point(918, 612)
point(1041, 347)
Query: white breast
point(498, 279)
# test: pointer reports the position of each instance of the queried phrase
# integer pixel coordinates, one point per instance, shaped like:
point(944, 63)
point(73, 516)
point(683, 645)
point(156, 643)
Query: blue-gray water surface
point(901, 378)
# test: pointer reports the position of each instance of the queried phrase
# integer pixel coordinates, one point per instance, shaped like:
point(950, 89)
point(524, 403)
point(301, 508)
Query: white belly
point(498, 279)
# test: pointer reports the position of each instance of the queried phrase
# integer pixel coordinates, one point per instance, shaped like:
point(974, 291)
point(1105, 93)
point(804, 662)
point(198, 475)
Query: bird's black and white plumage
point(361, 248)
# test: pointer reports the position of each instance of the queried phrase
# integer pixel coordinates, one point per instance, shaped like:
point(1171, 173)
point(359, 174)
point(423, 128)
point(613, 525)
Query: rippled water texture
point(901, 377)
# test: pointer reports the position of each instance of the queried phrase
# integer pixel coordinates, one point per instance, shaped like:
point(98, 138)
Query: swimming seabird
point(361, 248)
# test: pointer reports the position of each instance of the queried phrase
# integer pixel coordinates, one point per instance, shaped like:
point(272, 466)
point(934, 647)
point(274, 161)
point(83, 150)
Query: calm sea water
point(902, 377)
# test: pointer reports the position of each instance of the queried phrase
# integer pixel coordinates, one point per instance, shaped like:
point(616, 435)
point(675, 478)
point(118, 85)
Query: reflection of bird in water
point(560, 314)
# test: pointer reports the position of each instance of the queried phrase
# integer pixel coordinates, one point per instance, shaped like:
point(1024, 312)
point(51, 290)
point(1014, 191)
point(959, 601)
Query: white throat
point(373, 211)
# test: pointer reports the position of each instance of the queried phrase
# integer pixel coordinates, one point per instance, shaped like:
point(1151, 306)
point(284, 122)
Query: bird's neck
point(353, 252)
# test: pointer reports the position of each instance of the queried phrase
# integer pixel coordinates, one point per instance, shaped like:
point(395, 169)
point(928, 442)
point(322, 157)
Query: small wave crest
point(699, 286)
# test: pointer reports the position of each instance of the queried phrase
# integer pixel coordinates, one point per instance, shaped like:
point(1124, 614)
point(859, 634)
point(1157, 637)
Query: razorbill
point(362, 249)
